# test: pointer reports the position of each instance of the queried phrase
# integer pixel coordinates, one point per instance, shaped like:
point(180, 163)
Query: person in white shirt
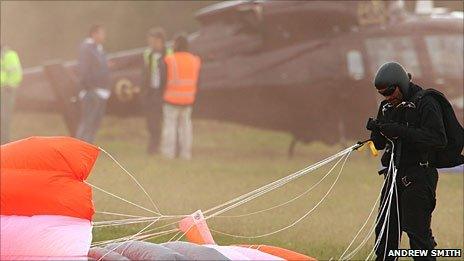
point(94, 83)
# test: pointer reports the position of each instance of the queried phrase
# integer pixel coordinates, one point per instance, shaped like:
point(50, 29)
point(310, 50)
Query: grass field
point(230, 160)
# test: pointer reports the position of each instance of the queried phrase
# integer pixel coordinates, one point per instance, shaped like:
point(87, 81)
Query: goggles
point(388, 91)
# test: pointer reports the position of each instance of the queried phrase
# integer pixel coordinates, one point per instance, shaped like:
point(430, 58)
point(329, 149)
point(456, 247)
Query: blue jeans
point(92, 112)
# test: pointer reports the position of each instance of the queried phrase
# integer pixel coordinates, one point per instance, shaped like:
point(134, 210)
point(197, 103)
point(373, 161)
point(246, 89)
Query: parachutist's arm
point(431, 133)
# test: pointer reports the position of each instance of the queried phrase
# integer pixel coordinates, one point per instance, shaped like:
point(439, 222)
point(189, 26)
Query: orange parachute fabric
point(280, 252)
point(196, 230)
point(59, 164)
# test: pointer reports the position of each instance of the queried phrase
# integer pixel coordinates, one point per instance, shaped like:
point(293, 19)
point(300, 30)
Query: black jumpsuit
point(416, 182)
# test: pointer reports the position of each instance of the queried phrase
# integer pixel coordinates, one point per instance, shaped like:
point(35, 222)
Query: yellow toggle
point(371, 146)
point(374, 151)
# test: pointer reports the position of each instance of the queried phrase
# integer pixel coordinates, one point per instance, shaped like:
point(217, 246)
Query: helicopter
point(302, 67)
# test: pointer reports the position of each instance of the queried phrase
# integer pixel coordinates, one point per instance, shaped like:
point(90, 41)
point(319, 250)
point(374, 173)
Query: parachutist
point(415, 127)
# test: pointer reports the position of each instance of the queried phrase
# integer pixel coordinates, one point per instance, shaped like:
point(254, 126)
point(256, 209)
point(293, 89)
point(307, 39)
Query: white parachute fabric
point(44, 237)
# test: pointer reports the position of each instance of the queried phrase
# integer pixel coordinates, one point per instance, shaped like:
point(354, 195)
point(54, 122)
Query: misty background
point(45, 30)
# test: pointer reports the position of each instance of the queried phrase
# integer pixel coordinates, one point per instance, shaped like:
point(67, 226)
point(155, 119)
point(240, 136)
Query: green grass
point(230, 160)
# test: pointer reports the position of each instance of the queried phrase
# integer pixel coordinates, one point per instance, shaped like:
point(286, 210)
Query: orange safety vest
point(183, 69)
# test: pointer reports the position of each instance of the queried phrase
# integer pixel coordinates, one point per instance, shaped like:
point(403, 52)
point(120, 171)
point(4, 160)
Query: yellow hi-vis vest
point(183, 70)
point(11, 71)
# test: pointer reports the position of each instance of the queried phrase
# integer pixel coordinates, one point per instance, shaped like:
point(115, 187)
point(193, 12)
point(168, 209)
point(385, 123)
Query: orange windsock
point(196, 230)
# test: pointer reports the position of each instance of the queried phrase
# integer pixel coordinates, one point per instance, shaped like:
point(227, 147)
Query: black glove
point(393, 130)
point(373, 125)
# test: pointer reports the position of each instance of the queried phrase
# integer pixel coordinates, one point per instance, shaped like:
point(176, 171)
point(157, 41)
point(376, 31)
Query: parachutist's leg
point(418, 204)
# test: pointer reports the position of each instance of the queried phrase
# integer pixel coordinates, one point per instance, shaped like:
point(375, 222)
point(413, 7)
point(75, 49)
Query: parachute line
point(299, 219)
point(111, 250)
point(274, 185)
point(118, 214)
point(342, 257)
point(391, 173)
point(122, 222)
point(118, 197)
point(389, 200)
point(142, 236)
point(291, 200)
point(134, 179)
point(145, 233)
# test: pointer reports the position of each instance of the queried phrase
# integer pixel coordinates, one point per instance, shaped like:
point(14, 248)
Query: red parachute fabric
point(59, 164)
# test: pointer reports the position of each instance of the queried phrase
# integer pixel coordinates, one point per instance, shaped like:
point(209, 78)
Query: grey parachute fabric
point(103, 254)
point(138, 250)
point(194, 251)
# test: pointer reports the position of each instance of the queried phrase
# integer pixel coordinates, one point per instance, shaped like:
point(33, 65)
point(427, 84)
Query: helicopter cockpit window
point(285, 29)
point(385, 49)
point(227, 35)
point(247, 22)
point(355, 64)
point(443, 50)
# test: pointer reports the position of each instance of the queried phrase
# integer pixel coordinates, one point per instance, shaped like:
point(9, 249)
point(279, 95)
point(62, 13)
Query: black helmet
point(392, 73)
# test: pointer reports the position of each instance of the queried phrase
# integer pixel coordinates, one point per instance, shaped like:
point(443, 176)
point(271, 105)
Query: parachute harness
point(149, 233)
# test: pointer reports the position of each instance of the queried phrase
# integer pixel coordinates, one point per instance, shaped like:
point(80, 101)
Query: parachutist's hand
point(372, 125)
point(393, 130)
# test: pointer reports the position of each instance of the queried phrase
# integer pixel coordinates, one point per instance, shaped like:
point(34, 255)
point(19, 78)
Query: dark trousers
point(7, 106)
point(154, 114)
point(416, 203)
point(92, 112)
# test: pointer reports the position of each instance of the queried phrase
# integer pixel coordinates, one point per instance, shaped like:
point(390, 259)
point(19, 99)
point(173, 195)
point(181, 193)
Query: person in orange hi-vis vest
point(179, 96)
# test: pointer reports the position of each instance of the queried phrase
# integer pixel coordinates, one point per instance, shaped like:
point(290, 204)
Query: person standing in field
point(11, 77)
point(183, 70)
point(153, 85)
point(420, 133)
point(94, 82)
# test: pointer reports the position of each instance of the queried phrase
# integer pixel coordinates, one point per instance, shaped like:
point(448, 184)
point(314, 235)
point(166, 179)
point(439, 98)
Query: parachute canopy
point(47, 210)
